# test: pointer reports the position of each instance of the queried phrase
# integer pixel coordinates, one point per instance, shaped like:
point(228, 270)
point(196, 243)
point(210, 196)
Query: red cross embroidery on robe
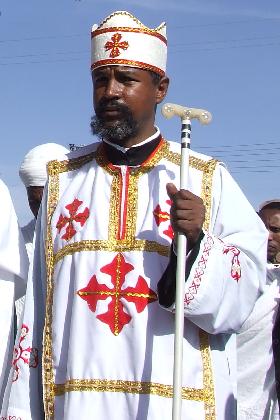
point(115, 45)
point(117, 315)
point(235, 263)
point(27, 355)
point(73, 217)
point(163, 216)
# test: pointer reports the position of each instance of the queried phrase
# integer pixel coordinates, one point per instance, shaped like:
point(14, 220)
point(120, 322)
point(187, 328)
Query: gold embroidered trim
point(115, 208)
point(206, 394)
point(129, 387)
point(195, 162)
point(132, 199)
point(137, 21)
point(206, 190)
point(128, 29)
point(208, 383)
point(48, 377)
point(125, 62)
point(111, 246)
point(55, 167)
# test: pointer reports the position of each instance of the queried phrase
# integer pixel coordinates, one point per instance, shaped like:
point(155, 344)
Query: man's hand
point(187, 213)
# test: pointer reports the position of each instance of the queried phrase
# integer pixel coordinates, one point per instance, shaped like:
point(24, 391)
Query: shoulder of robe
point(198, 161)
point(73, 160)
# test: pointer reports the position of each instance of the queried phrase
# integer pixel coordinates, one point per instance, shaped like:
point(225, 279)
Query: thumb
point(171, 190)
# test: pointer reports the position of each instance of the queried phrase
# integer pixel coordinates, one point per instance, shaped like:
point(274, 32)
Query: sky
point(223, 56)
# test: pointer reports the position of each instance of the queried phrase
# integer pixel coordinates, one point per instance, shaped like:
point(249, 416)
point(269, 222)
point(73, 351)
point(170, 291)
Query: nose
point(112, 89)
point(270, 235)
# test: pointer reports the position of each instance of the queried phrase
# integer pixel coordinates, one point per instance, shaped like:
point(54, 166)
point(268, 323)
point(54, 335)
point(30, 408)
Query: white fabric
point(13, 276)
point(129, 43)
point(257, 398)
point(33, 169)
point(140, 357)
point(28, 234)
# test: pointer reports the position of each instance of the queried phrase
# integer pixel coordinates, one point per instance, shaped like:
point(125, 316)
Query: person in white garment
point(257, 399)
point(33, 173)
point(13, 278)
point(99, 312)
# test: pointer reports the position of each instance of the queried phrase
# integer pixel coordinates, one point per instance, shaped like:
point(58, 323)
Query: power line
point(226, 40)
point(39, 38)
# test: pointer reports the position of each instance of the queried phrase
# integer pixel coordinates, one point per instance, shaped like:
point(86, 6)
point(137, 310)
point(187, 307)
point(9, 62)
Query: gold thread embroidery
point(117, 289)
point(206, 190)
point(128, 29)
point(48, 378)
point(130, 387)
point(111, 246)
point(55, 167)
point(208, 383)
point(131, 63)
point(137, 21)
point(114, 212)
point(132, 199)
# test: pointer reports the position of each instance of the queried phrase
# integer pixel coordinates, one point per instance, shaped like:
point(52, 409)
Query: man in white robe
point(13, 277)
point(257, 399)
point(100, 334)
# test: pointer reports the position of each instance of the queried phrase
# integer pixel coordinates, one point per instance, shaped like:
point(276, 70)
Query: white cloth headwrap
point(121, 39)
point(33, 170)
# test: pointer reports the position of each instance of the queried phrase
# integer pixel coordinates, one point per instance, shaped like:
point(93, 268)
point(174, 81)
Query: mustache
point(111, 103)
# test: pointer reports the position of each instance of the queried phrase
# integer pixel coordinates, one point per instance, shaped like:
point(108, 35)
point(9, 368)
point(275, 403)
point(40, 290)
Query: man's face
point(35, 195)
point(271, 219)
point(125, 96)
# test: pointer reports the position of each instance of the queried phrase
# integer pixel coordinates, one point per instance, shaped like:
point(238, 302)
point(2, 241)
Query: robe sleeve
point(226, 273)
point(13, 277)
point(13, 255)
point(23, 395)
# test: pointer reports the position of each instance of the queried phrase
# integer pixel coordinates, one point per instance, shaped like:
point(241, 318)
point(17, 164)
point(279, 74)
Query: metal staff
point(186, 114)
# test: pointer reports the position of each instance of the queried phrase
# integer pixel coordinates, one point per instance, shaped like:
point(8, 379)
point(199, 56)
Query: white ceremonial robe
point(107, 343)
point(257, 399)
point(28, 235)
point(13, 277)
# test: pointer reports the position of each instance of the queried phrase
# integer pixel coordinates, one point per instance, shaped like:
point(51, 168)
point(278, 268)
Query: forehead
point(121, 69)
point(270, 216)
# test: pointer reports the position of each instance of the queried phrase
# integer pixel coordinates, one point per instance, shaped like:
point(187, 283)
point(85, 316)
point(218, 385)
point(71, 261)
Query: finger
point(188, 195)
point(171, 190)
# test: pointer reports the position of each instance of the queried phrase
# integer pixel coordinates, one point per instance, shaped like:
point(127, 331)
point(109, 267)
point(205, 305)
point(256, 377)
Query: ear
point(162, 89)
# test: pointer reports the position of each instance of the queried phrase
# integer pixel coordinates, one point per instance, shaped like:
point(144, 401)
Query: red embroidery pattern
point(163, 216)
point(199, 271)
point(28, 355)
point(140, 295)
point(235, 263)
point(73, 217)
point(114, 45)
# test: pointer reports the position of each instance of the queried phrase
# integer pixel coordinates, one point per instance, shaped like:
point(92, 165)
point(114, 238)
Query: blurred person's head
point(33, 171)
point(269, 212)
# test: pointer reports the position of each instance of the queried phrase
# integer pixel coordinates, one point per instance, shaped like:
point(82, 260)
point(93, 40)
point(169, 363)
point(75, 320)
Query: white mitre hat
point(121, 39)
point(33, 170)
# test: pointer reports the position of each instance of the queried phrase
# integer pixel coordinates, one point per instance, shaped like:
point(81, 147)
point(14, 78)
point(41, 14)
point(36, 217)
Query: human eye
point(274, 229)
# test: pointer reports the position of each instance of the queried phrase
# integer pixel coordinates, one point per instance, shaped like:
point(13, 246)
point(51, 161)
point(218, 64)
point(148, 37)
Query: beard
point(122, 129)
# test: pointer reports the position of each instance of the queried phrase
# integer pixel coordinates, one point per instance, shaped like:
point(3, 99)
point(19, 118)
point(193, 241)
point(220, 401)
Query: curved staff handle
point(186, 114)
point(169, 110)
